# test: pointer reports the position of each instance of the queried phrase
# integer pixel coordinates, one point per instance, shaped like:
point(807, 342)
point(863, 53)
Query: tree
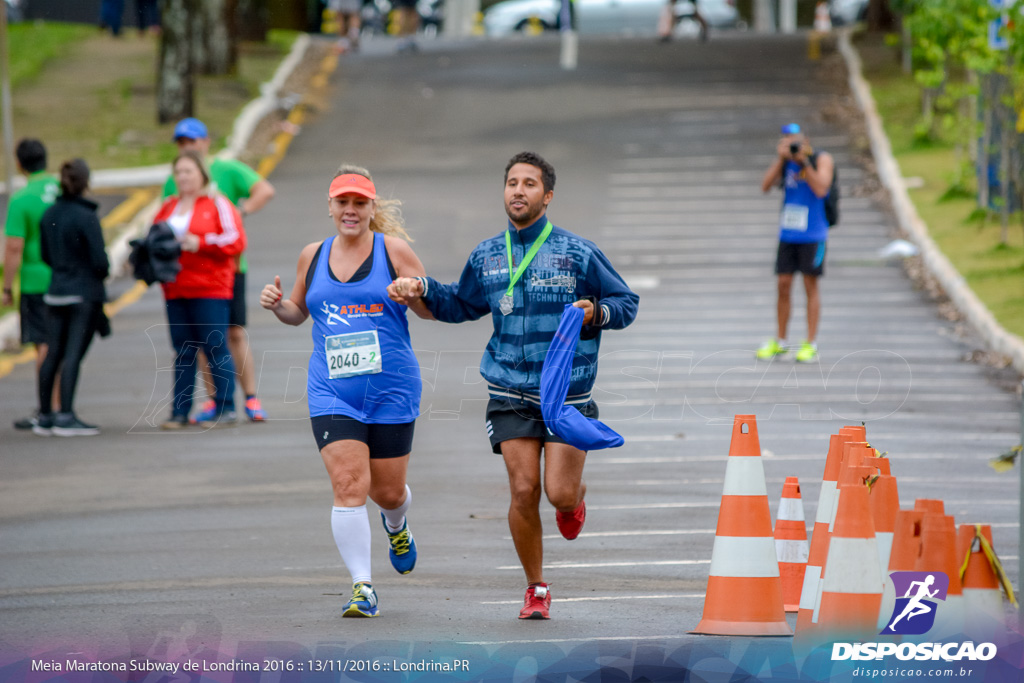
point(880, 16)
point(175, 74)
point(213, 50)
point(252, 19)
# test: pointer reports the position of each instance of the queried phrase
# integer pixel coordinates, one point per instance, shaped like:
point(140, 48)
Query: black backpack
point(832, 198)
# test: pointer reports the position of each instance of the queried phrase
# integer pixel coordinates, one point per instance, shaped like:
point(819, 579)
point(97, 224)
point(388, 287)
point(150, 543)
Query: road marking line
point(572, 640)
point(606, 598)
point(597, 565)
point(653, 532)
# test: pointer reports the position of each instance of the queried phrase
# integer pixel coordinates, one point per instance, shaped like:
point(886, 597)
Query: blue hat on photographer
point(791, 129)
point(190, 128)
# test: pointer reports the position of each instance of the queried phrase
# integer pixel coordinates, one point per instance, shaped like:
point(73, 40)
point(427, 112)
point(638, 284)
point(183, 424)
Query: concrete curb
point(956, 288)
point(243, 129)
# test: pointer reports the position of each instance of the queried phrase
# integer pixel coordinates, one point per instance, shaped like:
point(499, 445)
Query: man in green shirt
point(23, 252)
point(249, 191)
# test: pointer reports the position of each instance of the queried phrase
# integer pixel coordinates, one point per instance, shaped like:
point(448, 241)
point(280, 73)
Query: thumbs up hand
point(270, 297)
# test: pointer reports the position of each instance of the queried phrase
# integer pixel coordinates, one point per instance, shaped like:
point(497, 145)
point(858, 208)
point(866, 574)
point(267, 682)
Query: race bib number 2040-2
point(357, 353)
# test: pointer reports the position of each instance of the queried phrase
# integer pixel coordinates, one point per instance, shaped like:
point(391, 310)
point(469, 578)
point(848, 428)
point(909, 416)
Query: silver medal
point(505, 305)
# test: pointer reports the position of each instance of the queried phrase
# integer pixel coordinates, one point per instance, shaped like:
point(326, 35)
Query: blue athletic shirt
point(345, 317)
point(566, 268)
point(802, 219)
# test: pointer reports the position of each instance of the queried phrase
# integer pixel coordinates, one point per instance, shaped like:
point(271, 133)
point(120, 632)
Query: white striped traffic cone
point(852, 586)
point(744, 594)
point(791, 545)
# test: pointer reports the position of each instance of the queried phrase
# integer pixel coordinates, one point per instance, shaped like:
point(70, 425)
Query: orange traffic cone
point(851, 591)
point(938, 554)
point(791, 545)
point(983, 581)
point(809, 592)
point(744, 594)
point(884, 499)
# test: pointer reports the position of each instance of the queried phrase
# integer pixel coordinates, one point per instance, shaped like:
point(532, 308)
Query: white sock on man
point(351, 527)
point(396, 518)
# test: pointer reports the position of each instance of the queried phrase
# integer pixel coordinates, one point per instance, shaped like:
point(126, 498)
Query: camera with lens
point(794, 148)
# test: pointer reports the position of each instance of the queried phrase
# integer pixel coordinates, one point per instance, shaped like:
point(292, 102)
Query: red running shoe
point(571, 523)
point(537, 603)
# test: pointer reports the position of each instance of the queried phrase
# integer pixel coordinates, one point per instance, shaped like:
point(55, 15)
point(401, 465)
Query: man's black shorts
point(807, 258)
point(384, 440)
point(236, 313)
point(514, 419)
point(35, 317)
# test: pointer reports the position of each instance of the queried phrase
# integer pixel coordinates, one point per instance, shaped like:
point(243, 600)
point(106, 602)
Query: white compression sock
point(351, 527)
point(396, 518)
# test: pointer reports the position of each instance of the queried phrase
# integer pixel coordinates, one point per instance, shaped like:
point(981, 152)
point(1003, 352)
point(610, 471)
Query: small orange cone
point(791, 545)
point(851, 592)
point(983, 581)
point(744, 594)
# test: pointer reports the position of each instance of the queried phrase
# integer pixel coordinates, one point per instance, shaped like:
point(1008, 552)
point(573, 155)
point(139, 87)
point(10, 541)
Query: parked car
point(847, 11)
point(600, 16)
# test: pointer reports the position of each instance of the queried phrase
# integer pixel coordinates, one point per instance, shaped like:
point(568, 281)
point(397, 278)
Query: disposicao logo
point(914, 613)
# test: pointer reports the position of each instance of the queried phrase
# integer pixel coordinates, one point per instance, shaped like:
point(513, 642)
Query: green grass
point(33, 44)
point(995, 272)
point(112, 83)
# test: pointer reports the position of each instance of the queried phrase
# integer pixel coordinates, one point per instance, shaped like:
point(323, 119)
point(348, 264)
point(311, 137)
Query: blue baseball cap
point(788, 129)
point(191, 128)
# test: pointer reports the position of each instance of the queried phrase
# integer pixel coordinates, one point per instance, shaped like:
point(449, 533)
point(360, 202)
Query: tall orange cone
point(884, 499)
point(820, 534)
point(983, 581)
point(791, 545)
point(938, 554)
point(851, 591)
point(744, 595)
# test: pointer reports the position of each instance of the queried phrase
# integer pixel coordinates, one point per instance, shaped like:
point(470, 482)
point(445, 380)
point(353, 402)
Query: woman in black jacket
point(72, 245)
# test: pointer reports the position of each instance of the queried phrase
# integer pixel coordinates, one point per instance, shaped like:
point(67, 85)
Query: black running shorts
point(236, 313)
point(807, 258)
point(514, 419)
point(35, 316)
point(383, 440)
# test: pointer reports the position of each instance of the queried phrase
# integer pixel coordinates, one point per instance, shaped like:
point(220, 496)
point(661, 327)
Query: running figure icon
point(915, 606)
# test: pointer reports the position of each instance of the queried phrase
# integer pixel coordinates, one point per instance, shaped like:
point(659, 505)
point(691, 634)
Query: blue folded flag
point(565, 421)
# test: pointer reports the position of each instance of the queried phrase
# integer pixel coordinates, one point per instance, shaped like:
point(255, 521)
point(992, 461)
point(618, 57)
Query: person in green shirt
point(250, 192)
point(23, 252)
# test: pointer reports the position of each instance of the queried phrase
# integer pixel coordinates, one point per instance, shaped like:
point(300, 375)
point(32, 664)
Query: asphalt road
point(163, 544)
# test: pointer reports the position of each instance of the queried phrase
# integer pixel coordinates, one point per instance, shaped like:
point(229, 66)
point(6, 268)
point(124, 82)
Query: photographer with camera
point(806, 179)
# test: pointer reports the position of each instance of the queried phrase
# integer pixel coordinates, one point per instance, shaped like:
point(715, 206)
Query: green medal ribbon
point(534, 248)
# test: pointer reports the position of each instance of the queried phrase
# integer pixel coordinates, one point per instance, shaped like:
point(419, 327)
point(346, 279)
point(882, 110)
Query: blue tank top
point(362, 363)
point(802, 219)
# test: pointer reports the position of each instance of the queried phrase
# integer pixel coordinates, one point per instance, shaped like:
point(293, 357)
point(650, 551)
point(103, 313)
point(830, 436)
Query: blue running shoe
point(363, 602)
point(207, 412)
point(403, 548)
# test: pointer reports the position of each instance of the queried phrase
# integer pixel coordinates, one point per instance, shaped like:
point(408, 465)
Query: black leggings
point(71, 331)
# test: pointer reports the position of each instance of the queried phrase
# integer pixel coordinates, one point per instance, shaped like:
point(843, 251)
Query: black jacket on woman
point(72, 245)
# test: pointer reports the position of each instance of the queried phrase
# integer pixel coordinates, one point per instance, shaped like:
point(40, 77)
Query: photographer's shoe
point(770, 349)
point(808, 353)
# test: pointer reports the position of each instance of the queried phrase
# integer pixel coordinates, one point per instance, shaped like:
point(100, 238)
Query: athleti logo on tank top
point(337, 314)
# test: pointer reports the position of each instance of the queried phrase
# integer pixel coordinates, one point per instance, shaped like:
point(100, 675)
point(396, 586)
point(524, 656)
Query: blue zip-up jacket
point(566, 269)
